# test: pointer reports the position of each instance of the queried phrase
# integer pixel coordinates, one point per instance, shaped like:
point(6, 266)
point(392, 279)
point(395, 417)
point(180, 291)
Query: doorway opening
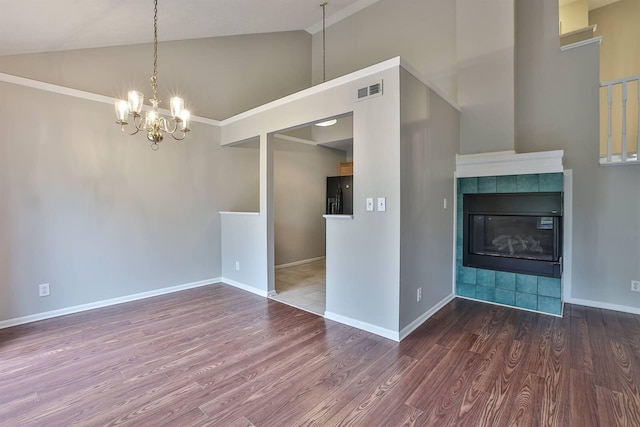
point(303, 158)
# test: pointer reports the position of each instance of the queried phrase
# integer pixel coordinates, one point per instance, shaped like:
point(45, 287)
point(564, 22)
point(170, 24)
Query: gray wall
point(93, 211)
point(422, 32)
point(557, 108)
point(465, 47)
point(218, 77)
point(300, 178)
point(428, 140)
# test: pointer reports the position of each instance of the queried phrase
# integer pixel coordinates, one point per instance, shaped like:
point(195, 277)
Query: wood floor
point(219, 356)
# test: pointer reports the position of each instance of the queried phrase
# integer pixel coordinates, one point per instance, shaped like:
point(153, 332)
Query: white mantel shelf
point(508, 163)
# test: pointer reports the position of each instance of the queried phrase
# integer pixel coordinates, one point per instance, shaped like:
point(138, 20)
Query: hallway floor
point(303, 286)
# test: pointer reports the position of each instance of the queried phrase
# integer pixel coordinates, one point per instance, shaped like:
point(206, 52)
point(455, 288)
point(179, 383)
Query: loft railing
point(622, 96)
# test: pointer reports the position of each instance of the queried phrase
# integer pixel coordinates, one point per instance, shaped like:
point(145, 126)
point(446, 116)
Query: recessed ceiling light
point(327, 123)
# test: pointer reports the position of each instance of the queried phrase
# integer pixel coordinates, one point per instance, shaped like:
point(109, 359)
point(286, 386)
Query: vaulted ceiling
point(28, 26)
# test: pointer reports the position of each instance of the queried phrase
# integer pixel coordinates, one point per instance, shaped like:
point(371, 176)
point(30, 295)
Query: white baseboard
point(301, 262)
point(420, 320)
point(603, 305)
point(377, 330)
point(104, 303)
point(245, 287)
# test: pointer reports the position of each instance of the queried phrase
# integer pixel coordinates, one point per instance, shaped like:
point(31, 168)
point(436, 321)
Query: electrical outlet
point(635, 285)
point(43, 290)
point(237, 265)
point(419, 294)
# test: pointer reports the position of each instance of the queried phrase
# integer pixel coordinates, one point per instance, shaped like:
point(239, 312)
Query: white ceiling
point(28, 26)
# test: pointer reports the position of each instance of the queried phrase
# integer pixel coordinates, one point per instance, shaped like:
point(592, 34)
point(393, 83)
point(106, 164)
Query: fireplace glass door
point(511, 236)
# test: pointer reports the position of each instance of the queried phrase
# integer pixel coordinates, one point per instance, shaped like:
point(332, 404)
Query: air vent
point(370, 91)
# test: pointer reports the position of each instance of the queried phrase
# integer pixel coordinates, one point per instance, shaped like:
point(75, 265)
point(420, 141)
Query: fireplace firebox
point(514, 232)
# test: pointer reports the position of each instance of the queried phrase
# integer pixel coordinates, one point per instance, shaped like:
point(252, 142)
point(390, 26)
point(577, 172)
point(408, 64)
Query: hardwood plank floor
point(218, 356)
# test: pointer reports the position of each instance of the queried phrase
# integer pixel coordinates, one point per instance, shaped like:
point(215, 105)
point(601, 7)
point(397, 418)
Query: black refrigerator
point(340, 195)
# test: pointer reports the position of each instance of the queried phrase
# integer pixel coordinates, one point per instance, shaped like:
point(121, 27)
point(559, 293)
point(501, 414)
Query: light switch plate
point(370, 204)
point(382, 204)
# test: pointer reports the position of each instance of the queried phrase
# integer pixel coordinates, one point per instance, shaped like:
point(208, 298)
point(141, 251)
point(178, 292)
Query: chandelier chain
point(154, 77)
point(324, 50)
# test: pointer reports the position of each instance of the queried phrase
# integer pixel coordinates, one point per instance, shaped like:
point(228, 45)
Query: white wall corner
point(245, 287)
point(407, 330)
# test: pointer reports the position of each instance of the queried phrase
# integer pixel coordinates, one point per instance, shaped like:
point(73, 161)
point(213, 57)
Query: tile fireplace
point(518, 233)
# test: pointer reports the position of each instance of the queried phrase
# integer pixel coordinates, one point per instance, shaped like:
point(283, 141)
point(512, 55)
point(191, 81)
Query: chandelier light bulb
point(185, 117)
point(122, 111)
point(177, 105)
point(136, 99)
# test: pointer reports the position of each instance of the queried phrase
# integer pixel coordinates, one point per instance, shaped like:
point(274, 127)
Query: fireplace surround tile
point(549, 305)
point(487, 184)
point(468, 185)
point(505, 297)
point(506, 184)
point(549, 287)
point(466, 290)
point(486, 278)
point(506, 280)
point(519, 290)
point(528, 183)
point(467, 274)
point(551, 181)
point(526, 283)
point(485, 293)
point(528, 301)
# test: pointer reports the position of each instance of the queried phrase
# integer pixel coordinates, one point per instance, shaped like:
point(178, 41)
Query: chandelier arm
point(179, 138)
point(139, 122)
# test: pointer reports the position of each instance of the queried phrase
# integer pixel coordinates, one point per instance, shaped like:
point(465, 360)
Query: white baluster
point(609, 137)
point(624, 121)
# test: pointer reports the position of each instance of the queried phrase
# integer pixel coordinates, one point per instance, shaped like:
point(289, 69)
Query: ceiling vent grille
point(370, 91)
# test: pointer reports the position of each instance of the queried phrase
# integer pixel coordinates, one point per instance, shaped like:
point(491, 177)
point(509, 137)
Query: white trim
point(105, 303)
point(245, 287)
point(581, 43)
point(455, 233)
point(377, 330)
point(337, 217)
point(515, 307)
point(340, 15)
point(603, 305)
point(238, 213)
point(587, 29)
point(420, 320)
point(301, 262)
point(63, 90)
point(508, 163)
point(294, 139)
point(567, 246)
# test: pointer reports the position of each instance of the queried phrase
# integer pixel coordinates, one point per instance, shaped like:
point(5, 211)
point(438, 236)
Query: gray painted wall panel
point(428, 140)
point(558, 108)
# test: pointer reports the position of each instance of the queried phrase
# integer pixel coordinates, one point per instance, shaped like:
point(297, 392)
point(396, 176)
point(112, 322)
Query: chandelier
point(152, 122)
